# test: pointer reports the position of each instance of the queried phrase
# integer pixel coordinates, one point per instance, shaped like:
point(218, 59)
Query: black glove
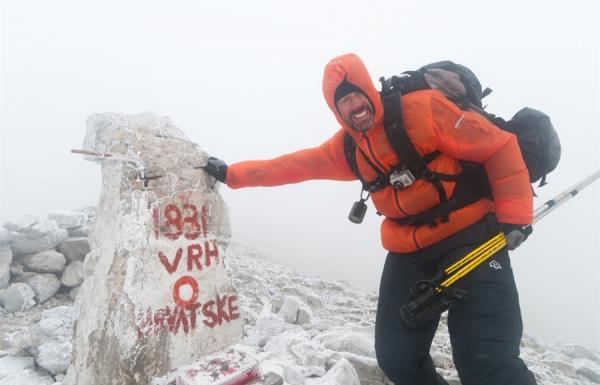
point(216, 168)
point(515, 234)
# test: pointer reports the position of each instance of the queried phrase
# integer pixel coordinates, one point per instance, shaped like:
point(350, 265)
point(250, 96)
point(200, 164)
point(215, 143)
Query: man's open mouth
point(361, 114)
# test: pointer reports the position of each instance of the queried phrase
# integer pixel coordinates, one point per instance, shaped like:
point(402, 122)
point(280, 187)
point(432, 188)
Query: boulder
point(48, 261)
point(74, 249)
point(44, 286)
point(5, 236)
point(73, 274)
point(310, 353)
point(21, 371)
point(32, 226)
point(79, 232)
point(342, 373)
point(587, 369)
point(266, 326)
point(356, 340)
point(367, 368)
point(18, 274)
point(577, 351)
point(293, 310)
point(68, 219)
point(6, 258)
point(73, 292)
point(29, 245)
point(55, 331)
point(17, 297)
point(157, 293)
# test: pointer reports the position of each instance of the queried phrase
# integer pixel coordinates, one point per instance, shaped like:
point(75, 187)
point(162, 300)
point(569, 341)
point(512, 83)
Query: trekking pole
point(553, 203)
point(431, 297)
point(489, 248)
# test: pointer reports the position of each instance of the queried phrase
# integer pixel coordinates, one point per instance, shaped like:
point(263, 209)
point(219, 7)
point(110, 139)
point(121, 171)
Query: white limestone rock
point(17, 297)
point(588, 369)
point(310, 353)
point(49, 241)
point(134, 276)
point(342, 373)
point(6, 257)
point(293, 310)
point(578, 351)
point(18, 274)
point(25, 224)
point(6, 236)
point(280, 344)
point(79, 232)
point(48, 261)
point(44, 286)
point(21, 371)
point(55, 332)
point(54, 355)
point(17, 342)
point(68, 219)
point(73, 274)
point(356, 340)
point(74, 249)
point(266, 326)
point(73, 292)
point(32, 225)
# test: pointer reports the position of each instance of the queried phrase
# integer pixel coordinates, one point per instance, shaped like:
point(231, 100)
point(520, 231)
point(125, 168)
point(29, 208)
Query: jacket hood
point(351, 68)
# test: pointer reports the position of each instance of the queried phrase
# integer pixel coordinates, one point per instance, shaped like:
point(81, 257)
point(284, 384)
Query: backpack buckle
point(401, 178)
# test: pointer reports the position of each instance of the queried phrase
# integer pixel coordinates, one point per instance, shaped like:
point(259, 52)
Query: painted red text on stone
point(194, 254)
point(174, 221)
point(213, 313)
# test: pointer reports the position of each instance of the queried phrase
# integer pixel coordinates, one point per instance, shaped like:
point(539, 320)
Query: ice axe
point(434, 296)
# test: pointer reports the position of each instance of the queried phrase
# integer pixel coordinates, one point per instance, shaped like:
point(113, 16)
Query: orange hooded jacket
point(433, 123)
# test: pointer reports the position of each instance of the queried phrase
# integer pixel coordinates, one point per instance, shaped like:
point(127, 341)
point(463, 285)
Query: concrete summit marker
point(157, 294)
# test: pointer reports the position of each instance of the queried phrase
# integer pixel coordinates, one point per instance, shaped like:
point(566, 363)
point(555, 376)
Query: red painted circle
point(186, 280)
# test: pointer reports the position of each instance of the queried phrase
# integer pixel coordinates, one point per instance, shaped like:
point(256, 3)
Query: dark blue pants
point(485, 328)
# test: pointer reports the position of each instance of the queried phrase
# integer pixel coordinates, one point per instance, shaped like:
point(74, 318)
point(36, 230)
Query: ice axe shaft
point(136, 162)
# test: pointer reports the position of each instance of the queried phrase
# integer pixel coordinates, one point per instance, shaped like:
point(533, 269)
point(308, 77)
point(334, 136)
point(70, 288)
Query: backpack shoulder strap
point(396, 134)
point(350, 153)
point(404, 147)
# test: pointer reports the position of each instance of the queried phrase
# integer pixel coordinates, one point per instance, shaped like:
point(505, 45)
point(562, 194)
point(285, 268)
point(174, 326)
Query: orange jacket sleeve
point(469, 136)
point(326, 161)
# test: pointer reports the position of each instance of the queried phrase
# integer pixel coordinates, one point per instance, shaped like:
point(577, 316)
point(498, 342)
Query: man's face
point(356, 110)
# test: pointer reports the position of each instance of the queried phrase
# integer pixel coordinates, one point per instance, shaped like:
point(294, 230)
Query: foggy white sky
point(243, 79)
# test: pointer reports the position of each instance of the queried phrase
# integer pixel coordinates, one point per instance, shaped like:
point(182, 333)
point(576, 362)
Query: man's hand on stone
point(216, 168)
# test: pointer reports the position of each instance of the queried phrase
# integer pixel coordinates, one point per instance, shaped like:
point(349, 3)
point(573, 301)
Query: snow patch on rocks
point(294, 311)
point(342, 373)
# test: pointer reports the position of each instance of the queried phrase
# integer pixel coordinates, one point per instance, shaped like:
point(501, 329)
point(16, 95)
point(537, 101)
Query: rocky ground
point(307, 329)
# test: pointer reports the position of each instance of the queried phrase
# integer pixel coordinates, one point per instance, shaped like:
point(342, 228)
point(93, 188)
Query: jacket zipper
point(383, 168)
point(398, 203)
point(414, 237)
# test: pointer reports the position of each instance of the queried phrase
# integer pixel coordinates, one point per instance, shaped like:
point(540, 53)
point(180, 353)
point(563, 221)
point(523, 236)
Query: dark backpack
point(537, 138)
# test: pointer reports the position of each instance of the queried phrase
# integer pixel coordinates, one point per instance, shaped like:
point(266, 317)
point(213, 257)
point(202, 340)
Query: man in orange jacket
point(485, 327)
